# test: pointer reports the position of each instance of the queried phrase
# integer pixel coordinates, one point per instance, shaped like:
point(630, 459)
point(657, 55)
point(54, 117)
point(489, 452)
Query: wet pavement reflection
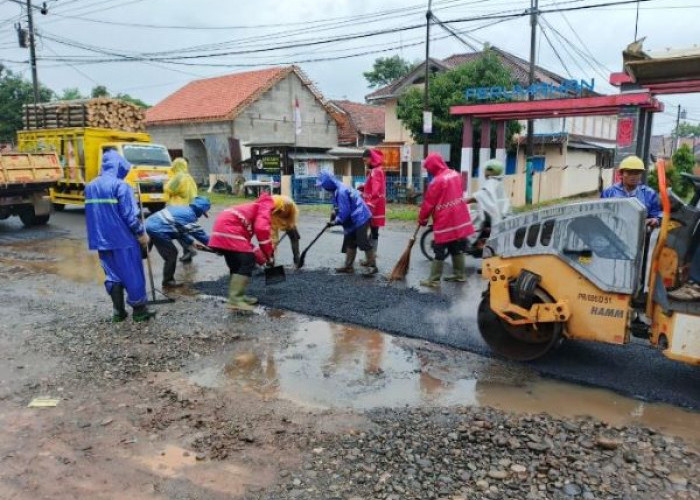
point(329, 365)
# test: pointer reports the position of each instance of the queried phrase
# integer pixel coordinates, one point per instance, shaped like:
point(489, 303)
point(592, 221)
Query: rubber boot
point(348, 268)
point(169, 274)
point(371, 263)
point(375, 244)
point(236, 293)
point(249, 299)
point(188, 254)
point(119, 313)
point(433, 280)
point(141, 313)
point(458, 268)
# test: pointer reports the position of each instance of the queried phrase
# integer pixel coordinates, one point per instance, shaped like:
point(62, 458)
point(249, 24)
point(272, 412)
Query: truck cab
point(150, 168)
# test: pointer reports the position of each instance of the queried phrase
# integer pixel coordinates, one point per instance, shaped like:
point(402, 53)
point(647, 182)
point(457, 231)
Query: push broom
point(401, 268)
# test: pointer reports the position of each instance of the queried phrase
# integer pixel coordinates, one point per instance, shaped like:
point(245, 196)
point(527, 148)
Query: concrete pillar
point(286, 185)
point(485, 148)
point(501, 143)
point(465, 166)
point(348, 167)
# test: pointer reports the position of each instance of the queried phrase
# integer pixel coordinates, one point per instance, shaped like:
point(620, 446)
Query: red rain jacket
point(235, 227)
point(443, 200)
point(374, 192)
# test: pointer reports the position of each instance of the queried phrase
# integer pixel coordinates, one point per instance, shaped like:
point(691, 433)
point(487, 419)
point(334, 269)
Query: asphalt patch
point(449, 318)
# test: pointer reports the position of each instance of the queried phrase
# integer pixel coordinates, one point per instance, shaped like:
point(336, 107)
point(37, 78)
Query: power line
point(556, 53)
point(157, 57)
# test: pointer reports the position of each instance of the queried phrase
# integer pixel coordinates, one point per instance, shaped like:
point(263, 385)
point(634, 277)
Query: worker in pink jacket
point(233, 230)
point(451, 221)
point(374, 194)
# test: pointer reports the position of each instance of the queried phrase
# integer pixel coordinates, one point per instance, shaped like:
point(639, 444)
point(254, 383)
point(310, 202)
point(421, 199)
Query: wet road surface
point(447, 317)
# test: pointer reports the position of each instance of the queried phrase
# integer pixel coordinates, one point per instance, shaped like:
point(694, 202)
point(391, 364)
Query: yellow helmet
point(632, 163)
point(285, 213)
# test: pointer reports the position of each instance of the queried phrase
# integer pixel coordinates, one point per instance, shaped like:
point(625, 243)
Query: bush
point(682, 161)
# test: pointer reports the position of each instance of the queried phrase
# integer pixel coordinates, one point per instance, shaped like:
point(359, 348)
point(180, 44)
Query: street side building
point(266, 122)
point(579, 142)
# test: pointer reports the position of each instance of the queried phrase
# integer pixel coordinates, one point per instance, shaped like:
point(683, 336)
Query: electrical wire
point(556, 52)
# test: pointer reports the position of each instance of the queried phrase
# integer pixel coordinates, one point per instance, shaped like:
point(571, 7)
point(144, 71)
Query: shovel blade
point(274, 275)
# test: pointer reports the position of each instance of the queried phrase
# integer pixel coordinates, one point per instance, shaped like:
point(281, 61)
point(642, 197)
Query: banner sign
point(626, 143)
point(567, 88)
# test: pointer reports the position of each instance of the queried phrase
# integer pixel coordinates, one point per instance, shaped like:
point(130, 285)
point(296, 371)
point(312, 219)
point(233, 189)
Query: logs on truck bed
point(100, 112)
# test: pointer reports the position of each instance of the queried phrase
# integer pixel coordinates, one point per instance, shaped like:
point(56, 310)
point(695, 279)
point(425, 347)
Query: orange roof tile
point(216, 98)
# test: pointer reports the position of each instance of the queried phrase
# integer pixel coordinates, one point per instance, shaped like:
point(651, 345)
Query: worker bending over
point(352, 213)
point(177, 222)
point(181, 190)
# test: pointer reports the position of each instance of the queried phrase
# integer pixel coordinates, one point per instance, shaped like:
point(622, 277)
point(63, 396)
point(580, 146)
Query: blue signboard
point(567, 88)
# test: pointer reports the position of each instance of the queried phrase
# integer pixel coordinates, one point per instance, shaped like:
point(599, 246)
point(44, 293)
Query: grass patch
point(223, 198)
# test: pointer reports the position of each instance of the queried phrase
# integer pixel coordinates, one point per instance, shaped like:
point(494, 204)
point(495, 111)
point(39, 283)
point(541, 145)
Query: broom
point(401, 268)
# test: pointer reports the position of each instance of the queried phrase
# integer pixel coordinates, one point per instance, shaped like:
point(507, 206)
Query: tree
point(685, 129)
point(99, 91)
point(446, 90)
point(15, 92)
point(387, 69)
point(682, 161)
point(70, 94)
point(132, 100)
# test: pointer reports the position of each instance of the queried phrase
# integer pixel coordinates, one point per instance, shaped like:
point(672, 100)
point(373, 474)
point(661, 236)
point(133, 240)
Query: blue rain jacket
point(644, 194)
point(111, 214)
point(351, 210)
point(180, 222)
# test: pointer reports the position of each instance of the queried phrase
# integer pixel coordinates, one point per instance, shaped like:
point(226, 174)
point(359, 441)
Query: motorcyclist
point(491, 197)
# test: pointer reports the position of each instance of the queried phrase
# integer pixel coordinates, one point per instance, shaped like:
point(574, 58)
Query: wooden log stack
point(99, 112)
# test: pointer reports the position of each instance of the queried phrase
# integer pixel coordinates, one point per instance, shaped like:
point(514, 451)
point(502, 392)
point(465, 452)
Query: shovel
point(153, 301)
point(302, 257)
point(274, 275)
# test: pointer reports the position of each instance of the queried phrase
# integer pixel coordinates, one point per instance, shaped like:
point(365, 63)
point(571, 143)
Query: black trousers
point(358, 239)
point(168, 252)
point(239, 262)
point(374, 233)
point(452, 248)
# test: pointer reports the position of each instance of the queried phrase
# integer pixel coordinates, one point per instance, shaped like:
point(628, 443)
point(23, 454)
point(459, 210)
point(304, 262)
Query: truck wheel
point(30, 219)
point(58, 207)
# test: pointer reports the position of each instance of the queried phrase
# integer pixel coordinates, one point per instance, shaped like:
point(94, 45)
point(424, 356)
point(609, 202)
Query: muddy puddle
point(67, 258)
point(327, 365)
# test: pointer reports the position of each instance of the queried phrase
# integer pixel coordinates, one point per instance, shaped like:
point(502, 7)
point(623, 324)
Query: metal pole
point(530, 144)
point(426, 94)
point(32, 52)
point(676, 135)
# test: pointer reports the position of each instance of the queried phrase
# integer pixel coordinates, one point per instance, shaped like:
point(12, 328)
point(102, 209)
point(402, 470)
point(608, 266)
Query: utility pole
point(676, 134)
point(32, 52)
point(530, 144)
point(426, 93)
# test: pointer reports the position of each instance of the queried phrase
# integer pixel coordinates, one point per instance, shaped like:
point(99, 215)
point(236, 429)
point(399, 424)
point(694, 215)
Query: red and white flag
point(297, 117)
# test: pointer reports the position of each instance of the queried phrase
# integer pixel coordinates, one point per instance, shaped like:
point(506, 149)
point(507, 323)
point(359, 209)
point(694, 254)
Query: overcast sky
point(598, 34)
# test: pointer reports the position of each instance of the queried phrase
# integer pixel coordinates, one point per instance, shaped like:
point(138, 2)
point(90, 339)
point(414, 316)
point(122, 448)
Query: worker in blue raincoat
point(352, 213)
point(632, 170)
point(114, 230)
point(177, 222)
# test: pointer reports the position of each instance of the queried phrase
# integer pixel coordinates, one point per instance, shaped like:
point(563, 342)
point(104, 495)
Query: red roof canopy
point(551, 108)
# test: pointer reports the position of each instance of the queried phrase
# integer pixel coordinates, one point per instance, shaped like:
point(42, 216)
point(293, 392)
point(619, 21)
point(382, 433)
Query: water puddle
point(327, 365)
point(63, 257)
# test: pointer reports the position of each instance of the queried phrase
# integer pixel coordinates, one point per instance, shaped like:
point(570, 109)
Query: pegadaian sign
point(567, 88)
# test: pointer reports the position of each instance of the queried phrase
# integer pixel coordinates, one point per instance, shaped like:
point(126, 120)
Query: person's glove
point(422, 222)
point(333, 215)
point(143, 240)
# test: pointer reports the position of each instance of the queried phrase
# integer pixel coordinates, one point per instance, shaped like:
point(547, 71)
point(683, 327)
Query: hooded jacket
point(181, 189)
point(443, 201)
point(374, 192)
point(351, 210)
point(179, 222)
point(235, 227)
point(111, 213)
